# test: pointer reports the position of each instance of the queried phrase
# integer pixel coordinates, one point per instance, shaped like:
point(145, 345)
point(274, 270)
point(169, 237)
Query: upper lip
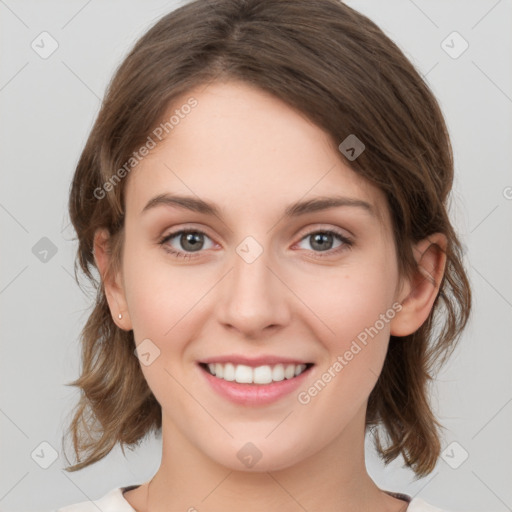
point(265, 360)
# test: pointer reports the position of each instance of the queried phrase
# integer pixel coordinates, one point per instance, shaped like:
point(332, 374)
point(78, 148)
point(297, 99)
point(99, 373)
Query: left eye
point(322, 241)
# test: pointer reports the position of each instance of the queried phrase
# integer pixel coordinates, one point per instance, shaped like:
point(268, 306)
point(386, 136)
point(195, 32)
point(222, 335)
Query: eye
point(190, 240)
point(322, 241)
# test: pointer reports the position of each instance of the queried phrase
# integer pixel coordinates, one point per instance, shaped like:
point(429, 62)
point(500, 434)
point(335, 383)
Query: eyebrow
point(293, 210)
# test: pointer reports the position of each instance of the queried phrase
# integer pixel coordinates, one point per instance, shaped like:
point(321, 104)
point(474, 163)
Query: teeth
point(243, 374)
point(289, 371)
point(229, 372)
point(262, 374)
point(259, 375)
point(278, 372)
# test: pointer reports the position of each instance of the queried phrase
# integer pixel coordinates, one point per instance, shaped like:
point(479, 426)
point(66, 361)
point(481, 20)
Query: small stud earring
point(120, 316)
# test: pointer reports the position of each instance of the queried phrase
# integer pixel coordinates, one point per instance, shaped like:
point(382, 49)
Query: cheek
point(358, 313)
point(158, 295)
point(348, 303)
point(355, 309)
point(161, 302)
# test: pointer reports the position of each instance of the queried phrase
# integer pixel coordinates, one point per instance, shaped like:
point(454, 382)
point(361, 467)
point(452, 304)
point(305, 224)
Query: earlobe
point(420, 291)
point(112, 284)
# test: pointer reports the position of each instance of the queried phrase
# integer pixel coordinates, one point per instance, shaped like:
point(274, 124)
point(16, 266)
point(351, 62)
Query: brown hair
point(340, 70)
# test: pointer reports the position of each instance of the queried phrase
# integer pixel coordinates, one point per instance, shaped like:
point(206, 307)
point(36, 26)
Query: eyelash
point(347, 243)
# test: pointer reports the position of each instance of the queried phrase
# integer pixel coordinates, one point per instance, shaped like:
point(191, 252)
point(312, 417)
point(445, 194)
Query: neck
point(334, 479)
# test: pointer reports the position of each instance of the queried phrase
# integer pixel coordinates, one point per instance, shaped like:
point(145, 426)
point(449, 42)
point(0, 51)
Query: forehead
point(242, 148)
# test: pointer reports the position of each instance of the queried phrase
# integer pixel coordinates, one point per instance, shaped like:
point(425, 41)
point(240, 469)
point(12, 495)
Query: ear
point(417, 295)
point(114, 289)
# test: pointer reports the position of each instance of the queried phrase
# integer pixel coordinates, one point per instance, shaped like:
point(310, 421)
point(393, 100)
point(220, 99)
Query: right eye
point(190, 240)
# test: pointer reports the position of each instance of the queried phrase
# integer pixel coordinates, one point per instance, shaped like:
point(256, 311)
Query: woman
point(264, 197)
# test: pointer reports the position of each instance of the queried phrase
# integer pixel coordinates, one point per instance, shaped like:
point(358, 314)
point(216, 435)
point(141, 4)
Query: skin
point(252, 155)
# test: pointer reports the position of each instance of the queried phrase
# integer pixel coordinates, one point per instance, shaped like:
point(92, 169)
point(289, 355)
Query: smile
point(254, 383)
point(264, 374)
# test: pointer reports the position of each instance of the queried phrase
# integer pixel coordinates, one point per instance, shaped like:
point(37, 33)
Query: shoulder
point(415, 504)
point(112, 501)
point(419, 505)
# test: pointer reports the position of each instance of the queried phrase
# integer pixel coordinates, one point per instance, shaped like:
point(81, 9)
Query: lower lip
point(254, 394)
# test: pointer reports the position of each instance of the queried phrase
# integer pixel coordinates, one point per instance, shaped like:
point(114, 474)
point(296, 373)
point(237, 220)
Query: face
point(264, 290)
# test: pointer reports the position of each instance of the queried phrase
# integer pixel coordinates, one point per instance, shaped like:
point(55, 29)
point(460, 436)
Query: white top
point(114, 501)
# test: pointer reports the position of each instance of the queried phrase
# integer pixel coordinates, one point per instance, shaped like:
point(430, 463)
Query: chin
point(258, 456)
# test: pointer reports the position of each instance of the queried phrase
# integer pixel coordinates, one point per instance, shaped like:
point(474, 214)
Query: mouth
point(256, 375)
point(250, 383)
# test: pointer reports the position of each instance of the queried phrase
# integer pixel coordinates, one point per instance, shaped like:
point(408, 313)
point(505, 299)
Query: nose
point(254, 299)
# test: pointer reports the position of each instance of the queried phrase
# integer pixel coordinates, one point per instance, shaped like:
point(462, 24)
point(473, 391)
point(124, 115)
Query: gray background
point(47, 109)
